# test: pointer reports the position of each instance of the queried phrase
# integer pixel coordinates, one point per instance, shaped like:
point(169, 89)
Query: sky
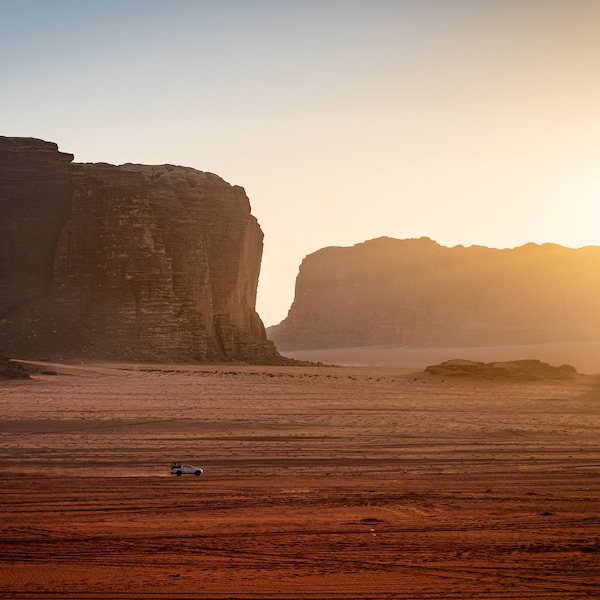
point(471, 122)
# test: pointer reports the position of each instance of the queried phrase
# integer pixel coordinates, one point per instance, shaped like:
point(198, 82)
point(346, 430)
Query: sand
point(332, 482)
point(583, 355)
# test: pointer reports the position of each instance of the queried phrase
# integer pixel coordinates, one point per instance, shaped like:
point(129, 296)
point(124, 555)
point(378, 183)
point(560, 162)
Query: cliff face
point(401, 292)
point(35, 203)
point(136, 262)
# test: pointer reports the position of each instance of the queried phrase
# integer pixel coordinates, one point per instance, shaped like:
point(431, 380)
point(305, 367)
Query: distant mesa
point(417, 292)
point(132, 262)
point(515, 369)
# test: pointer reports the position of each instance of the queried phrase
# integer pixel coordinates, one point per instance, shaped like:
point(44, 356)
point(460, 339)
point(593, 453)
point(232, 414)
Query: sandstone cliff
point(135, 262)
point(401, 292)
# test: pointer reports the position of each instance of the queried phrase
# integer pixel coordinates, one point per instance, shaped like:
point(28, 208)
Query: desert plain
point(319, 482)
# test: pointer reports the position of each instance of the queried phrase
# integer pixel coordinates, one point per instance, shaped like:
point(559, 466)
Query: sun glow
point(465, 121)
point(578, 188)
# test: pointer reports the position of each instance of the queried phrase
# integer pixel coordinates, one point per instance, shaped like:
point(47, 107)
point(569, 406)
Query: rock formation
point(513, 369)
point(11, 370)
point(404, 292)
point(132, 262)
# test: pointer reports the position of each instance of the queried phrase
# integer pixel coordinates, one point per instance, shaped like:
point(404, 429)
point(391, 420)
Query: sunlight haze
point(465, 121)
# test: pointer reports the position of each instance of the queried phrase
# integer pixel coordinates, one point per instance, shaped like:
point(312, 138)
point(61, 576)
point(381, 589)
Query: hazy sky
point(466, 121)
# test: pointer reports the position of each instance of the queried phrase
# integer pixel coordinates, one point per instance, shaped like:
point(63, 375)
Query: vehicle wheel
point(178, 473)
point(197, 473)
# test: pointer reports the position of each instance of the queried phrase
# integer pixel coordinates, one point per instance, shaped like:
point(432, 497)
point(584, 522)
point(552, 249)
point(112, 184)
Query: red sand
point(319, 483)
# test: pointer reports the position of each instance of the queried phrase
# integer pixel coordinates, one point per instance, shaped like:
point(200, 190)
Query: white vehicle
point(180, 469)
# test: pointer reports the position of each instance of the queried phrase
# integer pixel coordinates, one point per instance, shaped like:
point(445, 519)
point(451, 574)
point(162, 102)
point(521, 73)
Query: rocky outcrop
point(404, 292)
point(135, 262)
point(11, 370)
point(529, 370)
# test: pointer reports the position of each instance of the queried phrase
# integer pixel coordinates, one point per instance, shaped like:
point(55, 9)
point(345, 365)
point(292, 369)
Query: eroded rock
point(133, 261)
point(528, 369)
point(417, 292)
point(11, 370)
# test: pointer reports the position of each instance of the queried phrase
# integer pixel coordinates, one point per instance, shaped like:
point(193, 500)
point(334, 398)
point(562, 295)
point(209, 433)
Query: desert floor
point(319, 482)
point(584, 355)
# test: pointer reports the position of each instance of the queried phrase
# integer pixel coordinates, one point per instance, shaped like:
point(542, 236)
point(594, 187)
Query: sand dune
point(329, 482)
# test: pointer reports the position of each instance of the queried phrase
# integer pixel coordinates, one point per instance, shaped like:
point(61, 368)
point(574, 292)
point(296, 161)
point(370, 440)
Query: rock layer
point(135, 261)
point(415, 292)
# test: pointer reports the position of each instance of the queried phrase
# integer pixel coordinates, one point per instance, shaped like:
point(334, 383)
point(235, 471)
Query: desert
point(300, 300)
point(319, 482)
point(335, 463)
